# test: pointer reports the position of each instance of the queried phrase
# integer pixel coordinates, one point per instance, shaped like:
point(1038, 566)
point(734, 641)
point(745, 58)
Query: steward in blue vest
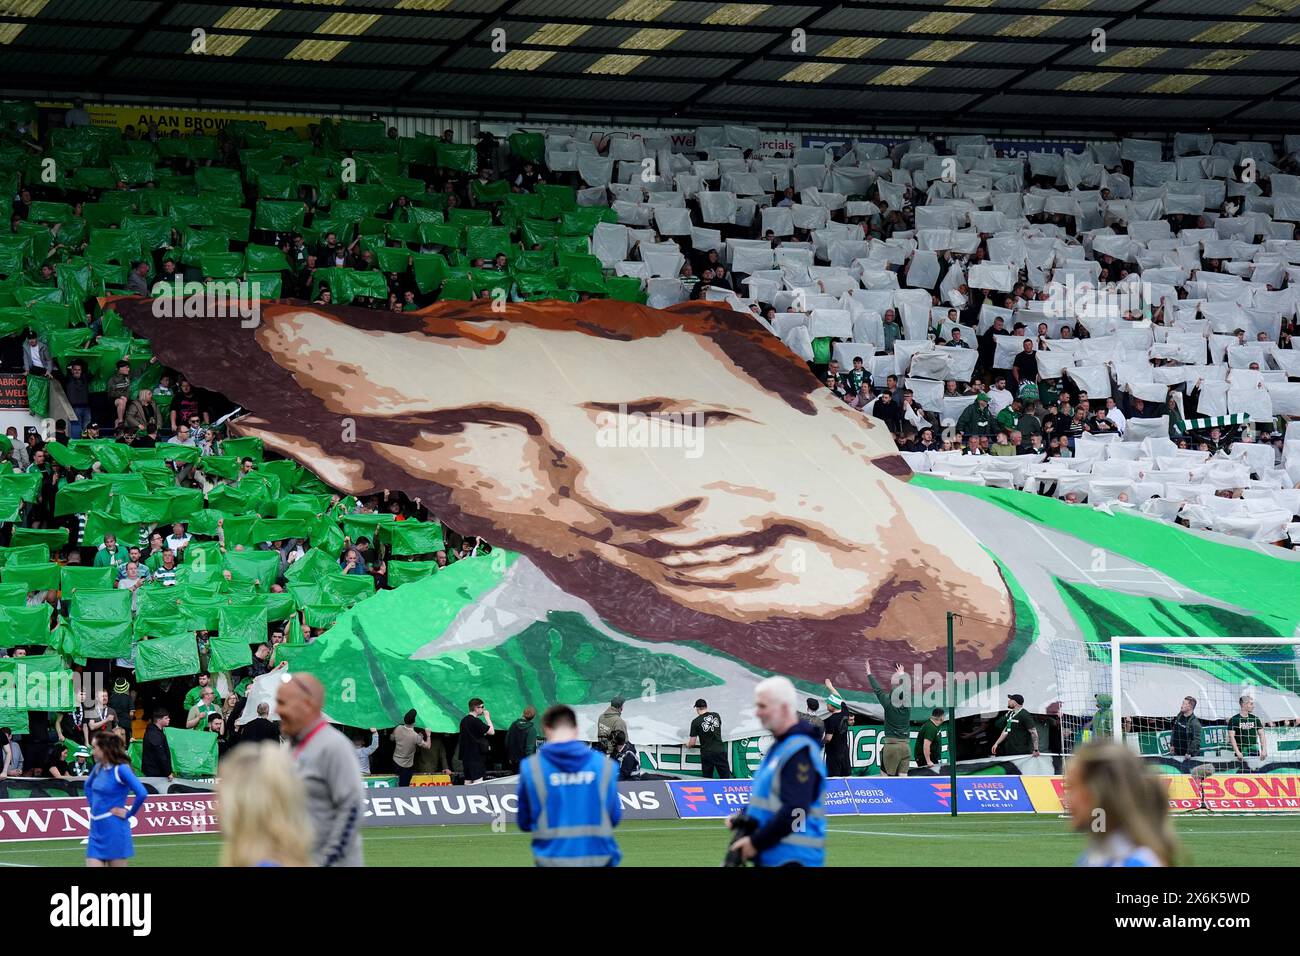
point(785, 801)
point(568, 797)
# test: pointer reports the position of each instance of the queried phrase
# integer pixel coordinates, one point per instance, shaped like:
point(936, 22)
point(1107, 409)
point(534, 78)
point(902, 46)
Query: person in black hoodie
point(926, 441)
point(521, 739)
point(156, 757)
point(988, 343)
point(624, 754)
point(888, 412)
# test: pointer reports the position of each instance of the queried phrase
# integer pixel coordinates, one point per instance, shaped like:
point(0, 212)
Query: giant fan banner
point(680, 510)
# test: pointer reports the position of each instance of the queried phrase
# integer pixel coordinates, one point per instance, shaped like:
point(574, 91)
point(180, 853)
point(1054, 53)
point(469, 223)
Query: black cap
point(618, 702)
point(1017, 698)
point(701, 704)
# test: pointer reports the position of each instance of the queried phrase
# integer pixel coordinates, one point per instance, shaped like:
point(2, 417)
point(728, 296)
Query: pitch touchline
point(364, 840)
point(445, 836)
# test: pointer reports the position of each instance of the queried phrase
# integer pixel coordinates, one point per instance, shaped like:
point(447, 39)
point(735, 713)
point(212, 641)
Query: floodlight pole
point(951, 697)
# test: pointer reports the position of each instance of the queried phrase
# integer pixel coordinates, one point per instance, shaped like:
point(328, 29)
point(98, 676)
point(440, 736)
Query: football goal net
point(1187, 704)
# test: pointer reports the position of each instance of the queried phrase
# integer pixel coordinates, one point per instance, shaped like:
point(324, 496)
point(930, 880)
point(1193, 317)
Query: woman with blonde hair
point(1123, 806)
point(262, 807)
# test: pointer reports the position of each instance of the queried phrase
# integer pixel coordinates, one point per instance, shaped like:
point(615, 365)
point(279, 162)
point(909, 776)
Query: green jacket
point(976, 421)
point(898, 719)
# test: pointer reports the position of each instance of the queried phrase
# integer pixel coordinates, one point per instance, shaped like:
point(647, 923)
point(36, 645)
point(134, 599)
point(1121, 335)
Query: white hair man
point(785, 823)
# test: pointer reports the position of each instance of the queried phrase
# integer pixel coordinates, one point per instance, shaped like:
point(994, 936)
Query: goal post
point(1279, 669)
point(1132, 689)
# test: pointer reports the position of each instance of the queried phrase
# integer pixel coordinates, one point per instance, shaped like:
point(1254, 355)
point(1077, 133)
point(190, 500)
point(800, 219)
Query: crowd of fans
point(922, 282)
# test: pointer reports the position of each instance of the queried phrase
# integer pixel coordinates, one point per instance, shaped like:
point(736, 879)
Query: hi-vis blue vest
point(570, 811)
point(809, 846)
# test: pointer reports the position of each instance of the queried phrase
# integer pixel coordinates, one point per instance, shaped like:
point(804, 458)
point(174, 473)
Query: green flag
point(111, 605)
point(27, 554)
point(278, 529)
point(25, 625)
point(279, 606)
point(25, 486)
point(13, 595)
point(67, 458)
point(315, 563)
point(57, 681)
point(413, 537)
point(163, 657)
point(108, 639)
point(38, 395)
point(228, 653)
point(258, 567)
point(80, 497)
point(279, 216)
point(220, 466)
point(194, 752)
point(73, 578)
point(527, 146)
point(264, 259)
point(53, 538)
point(403, 572)
point(100, 523)
point(33, 577)
point(142, 509)
point(243, 447)
point(294, 633)
point(364, 526)
point(247, 624)
point(346, 589)
point(113, 457)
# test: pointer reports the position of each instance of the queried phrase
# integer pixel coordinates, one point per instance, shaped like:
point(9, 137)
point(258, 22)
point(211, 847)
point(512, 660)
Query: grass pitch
point(984, 840)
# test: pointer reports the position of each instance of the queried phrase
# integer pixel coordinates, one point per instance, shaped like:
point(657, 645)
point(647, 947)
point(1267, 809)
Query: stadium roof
point(1042, 64)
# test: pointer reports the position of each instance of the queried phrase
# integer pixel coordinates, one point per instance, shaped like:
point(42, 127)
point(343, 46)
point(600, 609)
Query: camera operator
point(625, 755)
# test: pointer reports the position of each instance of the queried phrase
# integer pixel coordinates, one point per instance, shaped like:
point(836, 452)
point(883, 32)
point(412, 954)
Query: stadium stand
point(1113, 327)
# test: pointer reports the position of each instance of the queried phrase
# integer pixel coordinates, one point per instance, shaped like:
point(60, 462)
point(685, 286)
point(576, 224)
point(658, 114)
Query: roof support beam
point(477, 27)
point(521, 108)
point(771, 37)
point(1041, 65)
point(865, 6)
point(111, 62)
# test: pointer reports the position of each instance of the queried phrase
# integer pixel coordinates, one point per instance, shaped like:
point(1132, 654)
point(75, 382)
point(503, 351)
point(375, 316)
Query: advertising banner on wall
point(1002, 147)
point(1250, 792)
point(68, 818)
point(13, 390)
point(187, 121)
point(866, 796)
point(680, 140)
point(865, 744)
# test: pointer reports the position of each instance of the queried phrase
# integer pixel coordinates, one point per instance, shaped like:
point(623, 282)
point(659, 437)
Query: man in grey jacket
point(36, 356)
point(609, 721)
point(327, 761)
